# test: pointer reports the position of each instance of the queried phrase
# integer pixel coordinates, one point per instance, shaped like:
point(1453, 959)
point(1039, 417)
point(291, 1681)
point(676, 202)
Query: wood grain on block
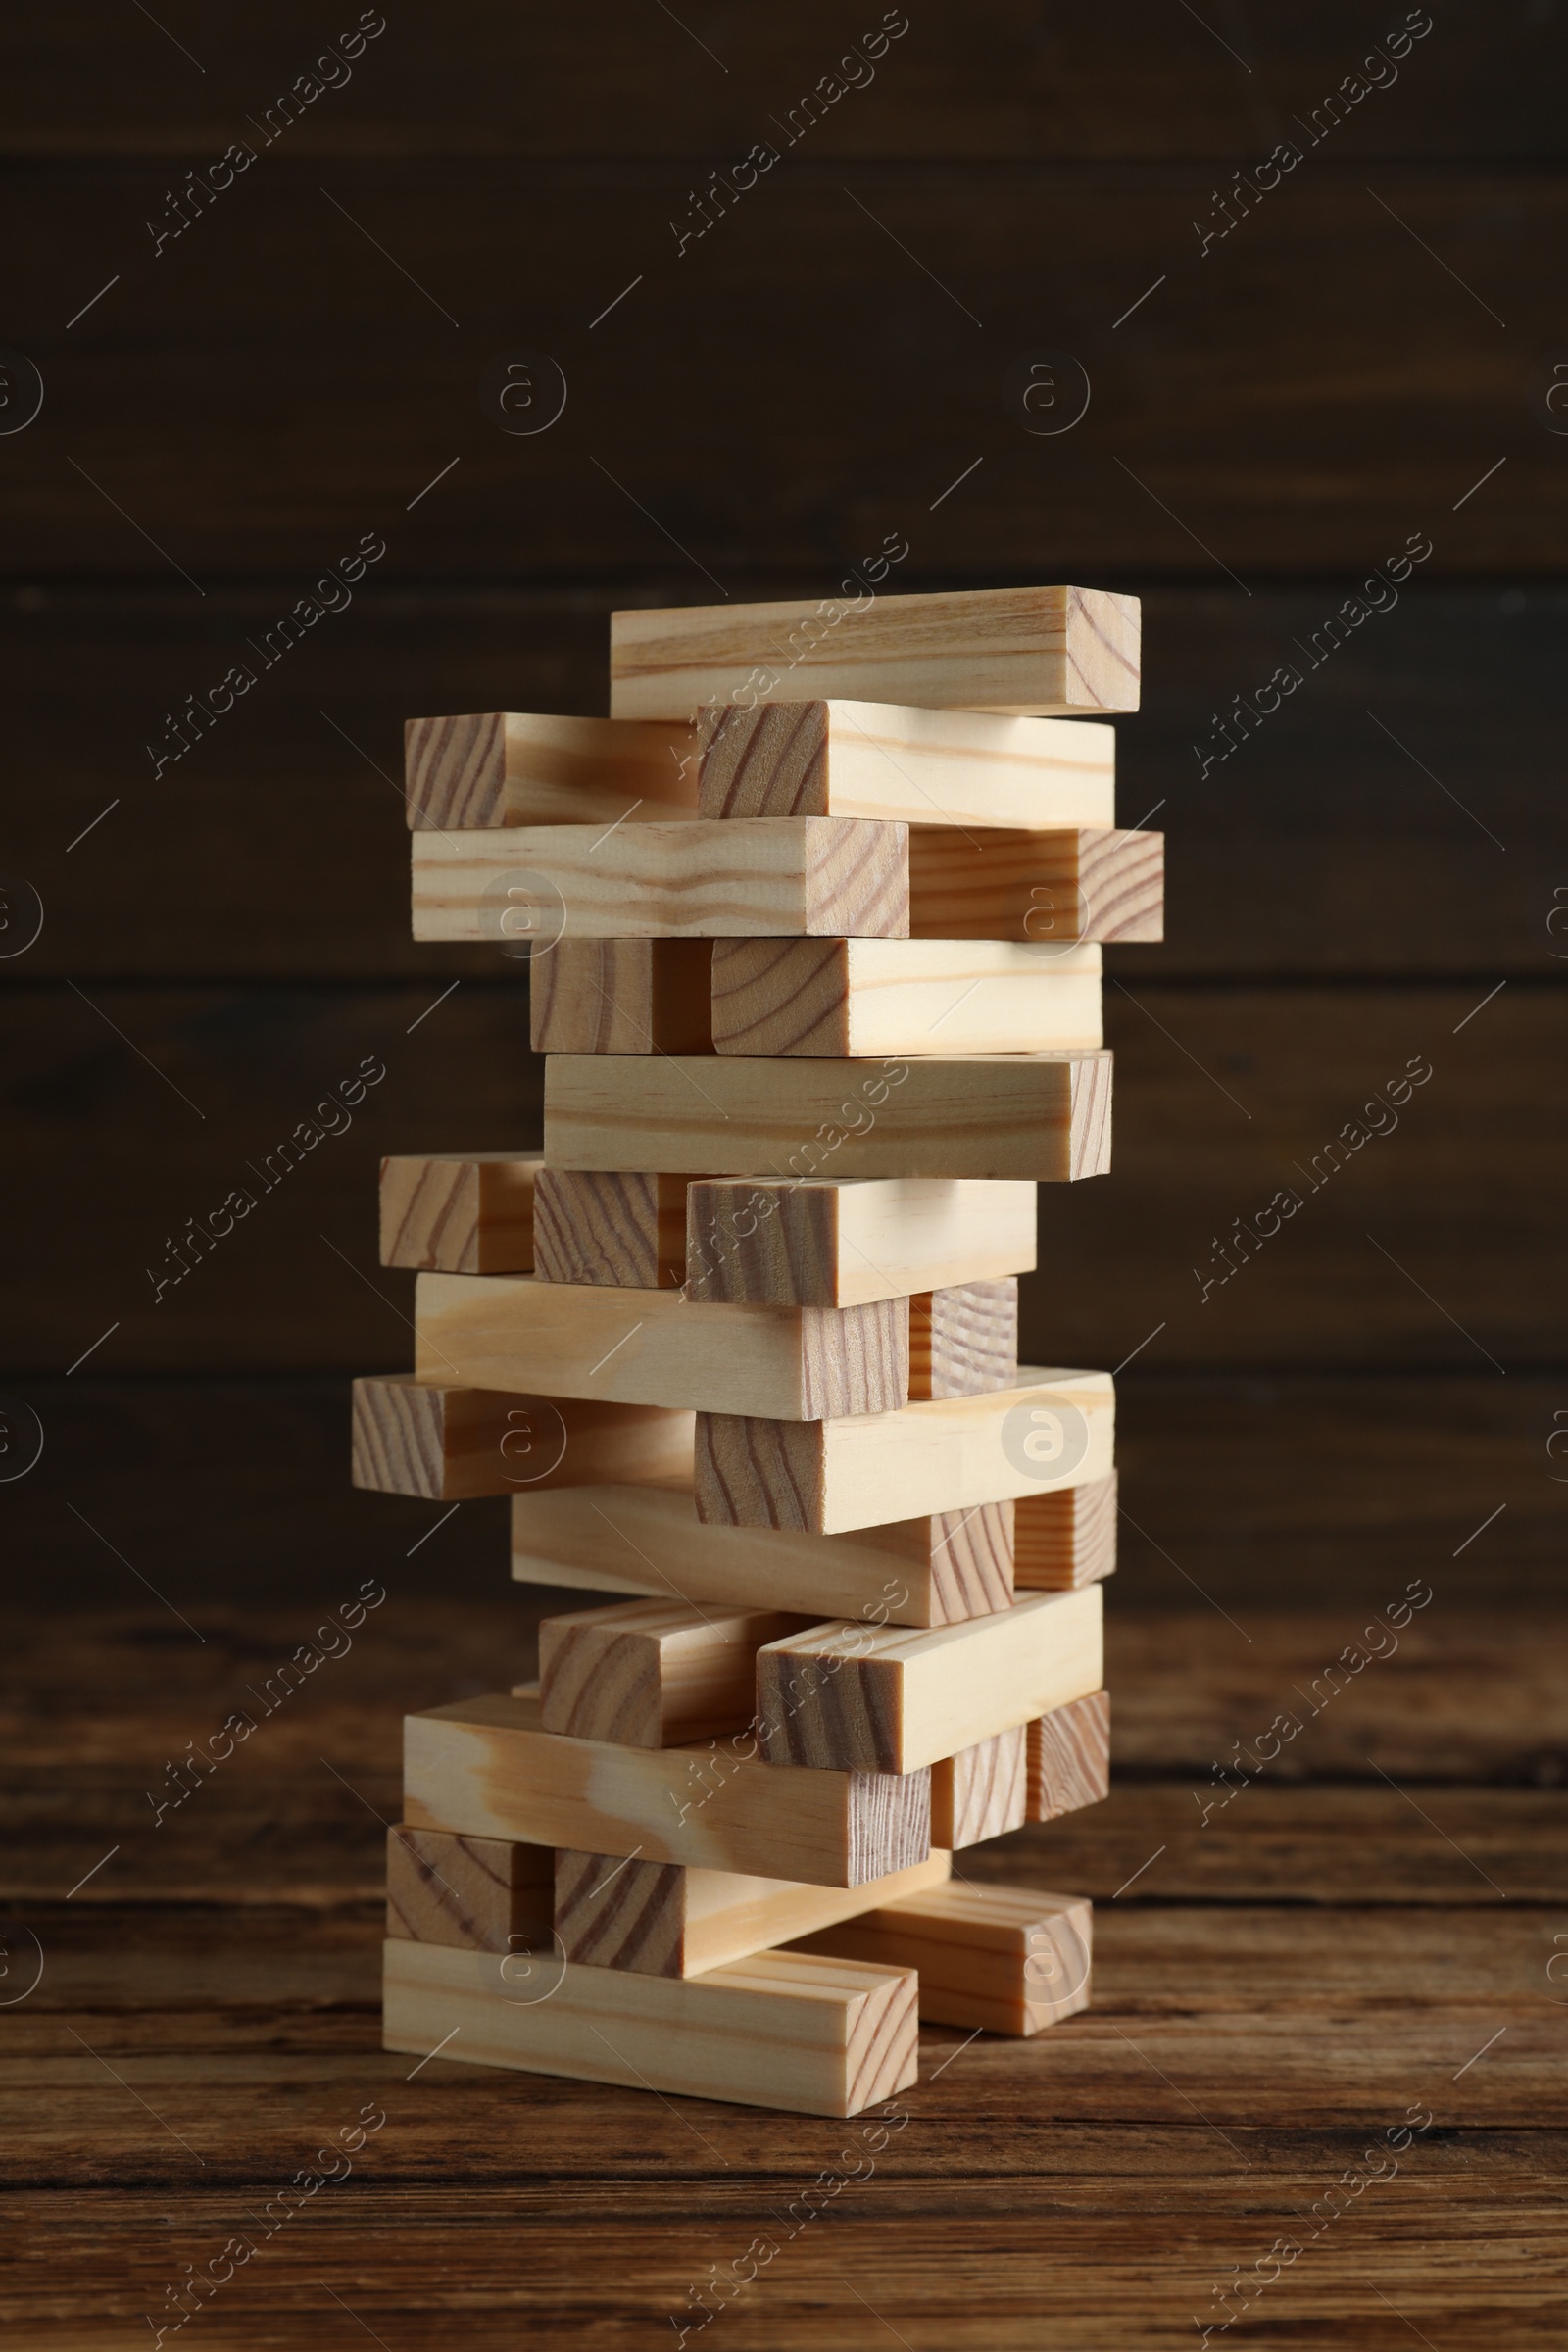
point(1052, 889)
point(446, 1444)
point(1023, 651)
point(474, 1892)
point(1035, 1117)
point(509, 767)
point(965, 1340)
point(619, 1229)
point(654, 1347)
point(939, 1570)
point(1067, 1537)
point(458, 1212)
point(782, 2030)
point(1054, 1429)
point(622, 995)
point(825, 1242)
point(886, 1698)
point(1068, 1758)
point(487, 1768)
point(859, 997)
point(652, 1673)
point(982, 1792)
point(832, 875)
point(1003, 1958)
point(661, 1918)
point(922, 768)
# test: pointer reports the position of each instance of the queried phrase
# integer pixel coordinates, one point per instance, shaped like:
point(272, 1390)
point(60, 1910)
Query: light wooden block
point(1068, 1758)
point(963, 1340)
point(982, 1792)
point(827, 1242)
point(1055, 1429)
point(1032, 652)
point(458, 1212)
point(938, 1570)
point(652, 1673)
point(782, 2030)
point(618, 1230)
point(1054, 889)
point(445, 1443)
point(885, 1699)
point(1067, 1537)
point(1035, 1117)
point(1003, 1958)
point(658, 1919)
point(924, 767)
point(479, 1894)
point(824, 997)
point(622, 995)
point(487, 1768)
point(561, 1339)
point(513, 767)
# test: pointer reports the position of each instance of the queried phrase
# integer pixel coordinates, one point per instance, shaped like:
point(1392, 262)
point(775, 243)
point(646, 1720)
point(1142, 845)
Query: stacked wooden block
point(816, 922)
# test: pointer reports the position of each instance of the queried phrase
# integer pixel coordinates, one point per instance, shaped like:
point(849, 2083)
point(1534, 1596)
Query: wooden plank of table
point(836, 1242)
point(1069, 1757)
point(478, 1894)
point(1040, 1117)
point(447, 1443)
point(1066, 1537)
point(1055, 1429)
point(857, 998)
point(621, 996)
point(1005, 1958)
point(917, 767)
point(1052, 889)
point(982, 1792)
point(617, 1229)
point(486, 1767)
point(964, 1340)
point(1032, 652)
point(776, 2029)
point(458, 1212)
point(654, 1673)
point(514, 767)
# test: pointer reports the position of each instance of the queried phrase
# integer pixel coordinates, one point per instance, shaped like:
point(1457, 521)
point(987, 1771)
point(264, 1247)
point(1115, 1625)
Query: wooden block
point(446, 1444)
point(659, 1919)
point(622, 995)
point(865, 996)
point(620, 1230)
point(920, 767)
point(1024, 1116)
point(482, 1894)
point(1067, 1537)
point(963, 1340)
point(652, 1673)
point(885, 1699)
point(1069, 1757)
point(938, 1570)
point(982, 1792)
point(829, 1241)
point(487, 1768)
point(510, 768)
point(1024, 650)
point(1003, 1958)
point(1054, 889)
point(578, 1339)
point(831, 875)
point(1055, 1429)
point(458, 1212)
point(783, 2029)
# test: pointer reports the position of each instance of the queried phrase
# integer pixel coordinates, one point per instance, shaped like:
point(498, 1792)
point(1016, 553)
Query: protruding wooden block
point(859, 997)
point(876, 760)
point(458, 1212)
point(659, 1919)
point(445, 1443)
point(1054, 1429)
point(868, 1698)
point(622, 995)
point(623, 1231)
point(1003, 1958)
point(482, 1894)
point(1067, 1537)
point(652, 1673)
point(982, 1792)
point(963, 1340)
point(938, 1570)
point(1069, 1757)
point(487, 1768)
point(829, 1243)
point(1024, 650)
point(1054, 889)
point(513, 767)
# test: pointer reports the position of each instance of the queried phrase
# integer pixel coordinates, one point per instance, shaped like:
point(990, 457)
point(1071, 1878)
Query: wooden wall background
point(1278, 414)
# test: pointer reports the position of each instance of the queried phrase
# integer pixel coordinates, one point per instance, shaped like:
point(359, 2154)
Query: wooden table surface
point(1371, 1933)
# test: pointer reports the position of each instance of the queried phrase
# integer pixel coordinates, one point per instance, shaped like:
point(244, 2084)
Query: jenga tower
point(816, 922)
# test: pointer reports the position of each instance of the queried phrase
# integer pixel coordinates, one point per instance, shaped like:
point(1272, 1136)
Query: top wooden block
point(1029, 651)
point(511, 767)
